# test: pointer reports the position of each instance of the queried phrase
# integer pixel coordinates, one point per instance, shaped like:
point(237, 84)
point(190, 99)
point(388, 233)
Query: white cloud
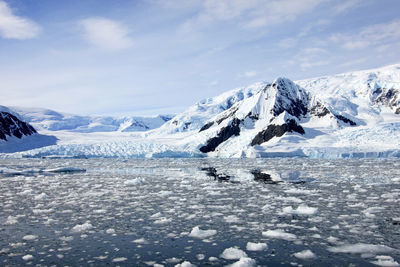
point(251, 13)
point(106, 33)
point(307, 65)
point(375, 35)
point(345, 6)
point(14, 27)
point(250, 74)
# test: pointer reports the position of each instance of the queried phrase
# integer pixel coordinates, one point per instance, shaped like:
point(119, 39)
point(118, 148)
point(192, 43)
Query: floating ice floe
point(30, 237)
point(80, 228)
point(243, 262)
point(304, 255)
point(233, 253)
point(202, 234)
point(185, 264)
point(386, 261)
point(361, 248)
point(11, 220)
point(27, 257)
point(301, 210)
point(135, 181)
point(280, 234)
point(120, 259)
point(256, 246)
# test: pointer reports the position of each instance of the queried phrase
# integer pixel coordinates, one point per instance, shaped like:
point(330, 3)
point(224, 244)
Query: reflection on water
point(145, 212)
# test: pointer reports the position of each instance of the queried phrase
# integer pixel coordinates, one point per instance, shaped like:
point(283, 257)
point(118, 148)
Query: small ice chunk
point(212, 259)
point(185, 264)
point(256, 246)
point(301, 210)
point(30, 237)
point(233, 253)
point(361, 248)
point(135, 181)
point(200, 257)
point(243, 262)
point(304, 255)
point(120, 259)
point(202, 234)
point(11, 220)
point(140, 241)
point(79, 228)
point(387, 261)
point(27, 257)
point(163, 220)
point(231, 219)
point(279, 234)
point(110, 231)
point(41, 196)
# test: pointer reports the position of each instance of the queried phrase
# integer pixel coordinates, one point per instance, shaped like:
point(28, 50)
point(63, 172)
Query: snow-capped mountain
point(45, 119)
point(343, 114)
point(354, 114)
point(11, 125)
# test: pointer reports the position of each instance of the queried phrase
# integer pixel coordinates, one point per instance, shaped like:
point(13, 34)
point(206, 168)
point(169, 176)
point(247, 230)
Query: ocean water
point(152, 212)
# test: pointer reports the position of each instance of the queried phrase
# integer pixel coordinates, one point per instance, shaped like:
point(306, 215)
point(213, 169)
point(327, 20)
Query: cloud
point(106, 34)
point(374, 35)
point(251, 13)
point(14, 27)
point(250, 74)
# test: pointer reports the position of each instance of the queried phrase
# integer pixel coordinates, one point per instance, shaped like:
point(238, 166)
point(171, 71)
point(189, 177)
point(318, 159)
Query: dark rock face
point(388, 97)
point(233, 129)
point(206, 126)
point(276, 131)
point(10, 125)
point(345, 120)
point(319, 110)
point(294, 104)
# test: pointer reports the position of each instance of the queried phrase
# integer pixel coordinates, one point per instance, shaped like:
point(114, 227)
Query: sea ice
point(27, 257)
point(202, 234)
point(79, 228)
point(361, 248)
point(30, 237)
point(233, 253)
point(386, 261)
point(304, 255)
point(256, 246)
point(243, 262)
point(280, 234)
point(301, 210)
point(185, 264)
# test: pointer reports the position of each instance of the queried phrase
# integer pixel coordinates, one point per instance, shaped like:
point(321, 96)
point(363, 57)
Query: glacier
point(349, 115)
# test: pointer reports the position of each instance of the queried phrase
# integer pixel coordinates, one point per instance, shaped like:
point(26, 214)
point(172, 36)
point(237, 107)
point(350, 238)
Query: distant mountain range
point(353, 114)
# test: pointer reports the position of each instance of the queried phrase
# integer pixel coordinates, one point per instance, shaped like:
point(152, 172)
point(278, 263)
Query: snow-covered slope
point(45, 119)
point(351, 114)
point(18, 135)
point(347, 115)
point(195, 116)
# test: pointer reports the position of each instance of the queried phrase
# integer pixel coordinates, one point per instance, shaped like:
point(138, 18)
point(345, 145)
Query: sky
point(148, 57)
